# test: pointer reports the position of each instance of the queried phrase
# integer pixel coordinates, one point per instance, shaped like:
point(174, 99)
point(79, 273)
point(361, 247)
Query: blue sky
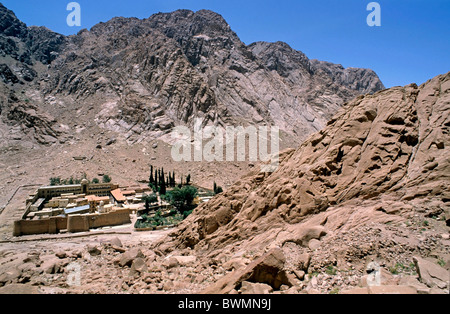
point(412, 44)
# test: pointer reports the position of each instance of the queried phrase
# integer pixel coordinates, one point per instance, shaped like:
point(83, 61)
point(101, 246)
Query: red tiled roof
point(118, 196)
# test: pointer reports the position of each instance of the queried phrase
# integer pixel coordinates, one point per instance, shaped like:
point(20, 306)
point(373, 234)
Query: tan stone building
point(86, 188)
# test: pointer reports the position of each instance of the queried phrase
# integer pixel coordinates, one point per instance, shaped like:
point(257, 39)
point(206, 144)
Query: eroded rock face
point(388, 150)
point(10, 25)
point(141, 78)
point(357, 193)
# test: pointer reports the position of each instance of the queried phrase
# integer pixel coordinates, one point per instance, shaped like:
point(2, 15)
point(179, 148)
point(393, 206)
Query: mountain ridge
point(186, 65)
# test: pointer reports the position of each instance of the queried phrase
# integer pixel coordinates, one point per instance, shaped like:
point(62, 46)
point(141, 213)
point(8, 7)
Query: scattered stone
point(266, 269)
point(93, 250)
point(413, 281)
point(76, 254)
point(303, 262)
point(111, 141)
point(52, 266)
point(235, 263)
point(138, 267)
point(116, 245)
point(314, 244)
point(118, 249)
point(61, 254)
point(171, 262)
point(255, 288)
point(32, 258)
point(168, 285)
point(185, 260)
point(127, 258)
point(377, 276)
point(10, 276)
point(300, 274)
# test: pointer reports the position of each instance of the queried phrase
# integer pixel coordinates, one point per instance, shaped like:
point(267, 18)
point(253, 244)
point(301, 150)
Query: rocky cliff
point(140, 78)
point(360, 190)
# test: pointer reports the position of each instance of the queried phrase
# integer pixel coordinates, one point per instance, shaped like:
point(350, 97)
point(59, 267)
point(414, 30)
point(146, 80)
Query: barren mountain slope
point(364, 186)
point(140, 78)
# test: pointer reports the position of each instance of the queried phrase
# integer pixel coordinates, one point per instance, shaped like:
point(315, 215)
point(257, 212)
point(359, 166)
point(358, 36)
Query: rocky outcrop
point(10, 25)
point(35, 124)
point(44, 45)
point(7, 76)
point(27, 44)
point(381, 159)
point(144, 77)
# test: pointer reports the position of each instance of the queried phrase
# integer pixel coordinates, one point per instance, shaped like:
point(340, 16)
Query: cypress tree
point(151, 180)
point(188, 179)
point(162, 188)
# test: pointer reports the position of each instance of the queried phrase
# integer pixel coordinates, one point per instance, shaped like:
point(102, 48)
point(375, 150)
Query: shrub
point(331, 270)
point(106, 178)
point(182, 198)
point(217, 189)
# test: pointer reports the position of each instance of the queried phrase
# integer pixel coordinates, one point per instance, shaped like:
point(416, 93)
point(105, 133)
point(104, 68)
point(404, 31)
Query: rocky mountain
point(360, 206)
point(139, 78)
point(373, 185)
point(24, 52)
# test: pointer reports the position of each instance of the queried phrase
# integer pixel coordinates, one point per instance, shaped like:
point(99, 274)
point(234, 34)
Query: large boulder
point(255, 288)
point(138, 267)
point(267, 269)
point(127, 258)
point(186, 260)
point(431, 274)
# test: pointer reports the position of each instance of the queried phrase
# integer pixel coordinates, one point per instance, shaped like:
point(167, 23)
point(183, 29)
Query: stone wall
point(76, 223)
point(86, 222)
point(48, 225)
point(115, 218)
